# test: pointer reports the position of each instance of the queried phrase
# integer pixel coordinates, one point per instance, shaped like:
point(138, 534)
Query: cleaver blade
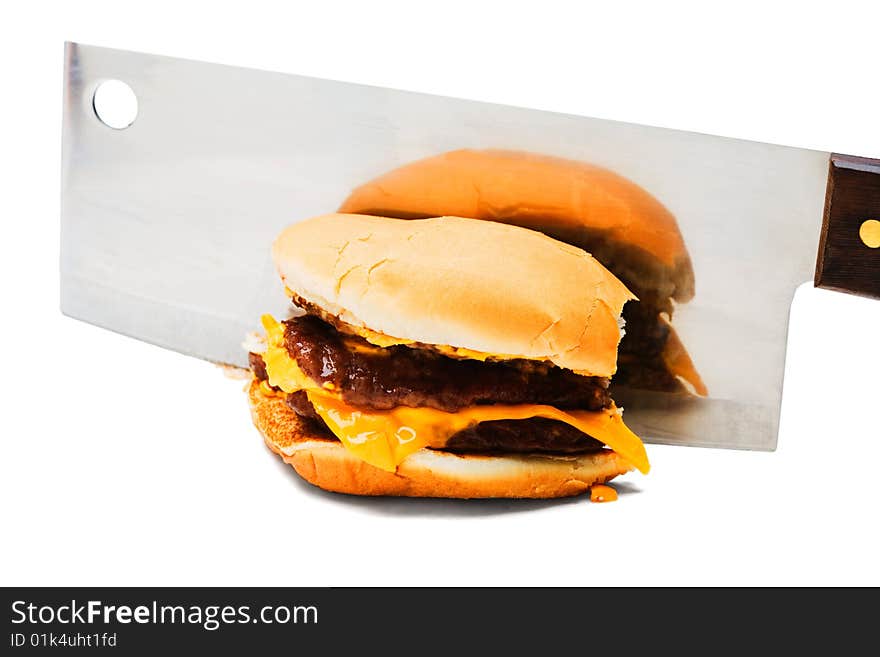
point(166, 224)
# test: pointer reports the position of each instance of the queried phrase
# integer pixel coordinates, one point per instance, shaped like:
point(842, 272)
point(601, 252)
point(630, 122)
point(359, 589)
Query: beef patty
point(640, 361)
point(382, 378)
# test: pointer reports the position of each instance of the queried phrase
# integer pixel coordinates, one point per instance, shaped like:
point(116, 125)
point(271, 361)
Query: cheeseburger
point(625, 228)
point(443, 357)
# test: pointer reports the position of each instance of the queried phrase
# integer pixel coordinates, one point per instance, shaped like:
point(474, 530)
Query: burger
point(619, 223)
point(442, 357)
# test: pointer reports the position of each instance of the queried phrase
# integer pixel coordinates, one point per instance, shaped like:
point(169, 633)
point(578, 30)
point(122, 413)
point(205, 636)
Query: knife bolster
point(849, 246)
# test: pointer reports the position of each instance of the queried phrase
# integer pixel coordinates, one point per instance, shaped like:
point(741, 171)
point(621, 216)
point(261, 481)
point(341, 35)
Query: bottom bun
point(427, 473)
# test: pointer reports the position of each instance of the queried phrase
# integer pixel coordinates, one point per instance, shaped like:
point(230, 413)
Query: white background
point(124, 464)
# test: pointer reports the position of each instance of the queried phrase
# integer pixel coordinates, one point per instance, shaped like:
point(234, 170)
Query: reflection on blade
point(683, 420)
point(166, 224)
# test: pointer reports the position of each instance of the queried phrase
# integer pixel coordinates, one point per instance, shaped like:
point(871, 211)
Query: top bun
point(626, 228)
point(499, 290)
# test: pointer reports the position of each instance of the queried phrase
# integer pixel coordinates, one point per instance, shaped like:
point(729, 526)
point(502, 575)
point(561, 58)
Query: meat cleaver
point(167, 217)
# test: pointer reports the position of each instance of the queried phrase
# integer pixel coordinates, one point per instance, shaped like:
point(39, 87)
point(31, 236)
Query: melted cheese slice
point(385, 438)
point(282, 370)
point(383, 340)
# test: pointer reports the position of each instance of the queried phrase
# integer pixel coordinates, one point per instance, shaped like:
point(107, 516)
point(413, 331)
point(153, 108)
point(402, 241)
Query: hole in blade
point(115, 104)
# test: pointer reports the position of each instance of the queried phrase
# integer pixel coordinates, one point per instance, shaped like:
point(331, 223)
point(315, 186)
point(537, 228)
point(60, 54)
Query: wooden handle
point(849, 248)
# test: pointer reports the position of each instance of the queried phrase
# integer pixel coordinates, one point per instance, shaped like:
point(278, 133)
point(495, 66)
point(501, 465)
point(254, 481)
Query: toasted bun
point(626, 228)
point(427, 473)
point(447, 281)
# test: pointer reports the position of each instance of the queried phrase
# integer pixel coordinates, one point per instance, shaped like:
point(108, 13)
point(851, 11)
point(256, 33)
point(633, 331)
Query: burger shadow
point(441, 507)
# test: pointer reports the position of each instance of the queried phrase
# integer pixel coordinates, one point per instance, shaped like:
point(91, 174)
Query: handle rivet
point(870, 233)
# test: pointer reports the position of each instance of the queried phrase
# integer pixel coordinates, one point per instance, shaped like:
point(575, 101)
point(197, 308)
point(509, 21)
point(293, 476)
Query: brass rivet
point(870, 233)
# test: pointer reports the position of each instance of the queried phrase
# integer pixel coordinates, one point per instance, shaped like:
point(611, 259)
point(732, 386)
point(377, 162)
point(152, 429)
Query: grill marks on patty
point(383, 378)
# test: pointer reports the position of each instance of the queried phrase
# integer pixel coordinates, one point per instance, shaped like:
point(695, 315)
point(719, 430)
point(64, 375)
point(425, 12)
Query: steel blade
point(166, 225)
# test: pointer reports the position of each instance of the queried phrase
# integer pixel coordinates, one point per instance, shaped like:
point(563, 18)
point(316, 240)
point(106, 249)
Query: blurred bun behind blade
point(621, 224)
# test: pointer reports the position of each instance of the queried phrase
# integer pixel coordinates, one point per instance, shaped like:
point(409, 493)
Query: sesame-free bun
point(486, 287)
point(427, 473)
point(626, 228)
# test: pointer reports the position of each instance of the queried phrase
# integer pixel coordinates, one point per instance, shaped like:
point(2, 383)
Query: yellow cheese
point(282, 370)
point(376, 338)
point(383, 340)
point(385, 438)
